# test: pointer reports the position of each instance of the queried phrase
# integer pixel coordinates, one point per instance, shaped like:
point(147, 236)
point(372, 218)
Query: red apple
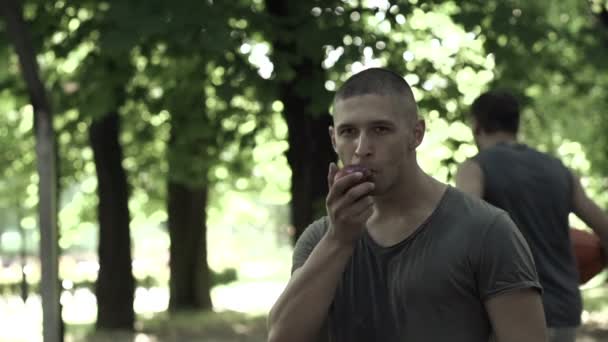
point(354, 168)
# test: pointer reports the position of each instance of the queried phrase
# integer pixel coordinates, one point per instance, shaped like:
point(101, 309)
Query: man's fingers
point(344, 183)
point(356, 192)
point(365, 214)
point(333, 169)
point(355, 211)
point(349, 189)
point(361, 206)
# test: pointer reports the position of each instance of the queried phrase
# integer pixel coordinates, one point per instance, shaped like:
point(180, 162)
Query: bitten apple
point(354, 168)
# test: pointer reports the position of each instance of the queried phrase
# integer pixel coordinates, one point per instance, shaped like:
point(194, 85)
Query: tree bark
point(45, 155)
point(190, 282)
point(115, 283)
point(309, 154)
point(310, 150)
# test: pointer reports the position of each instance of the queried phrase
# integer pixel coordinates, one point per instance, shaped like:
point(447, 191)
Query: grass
point(231, 326)
point(224, 326)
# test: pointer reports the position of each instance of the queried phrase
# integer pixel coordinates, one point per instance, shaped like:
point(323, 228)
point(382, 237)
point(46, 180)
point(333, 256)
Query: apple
point(354, 168)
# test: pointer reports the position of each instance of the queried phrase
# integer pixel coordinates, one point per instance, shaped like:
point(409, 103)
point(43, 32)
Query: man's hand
point(349, 205)
point(589, 212)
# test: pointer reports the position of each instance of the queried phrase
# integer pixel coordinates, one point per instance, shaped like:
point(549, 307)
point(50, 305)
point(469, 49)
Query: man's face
point(378, 132)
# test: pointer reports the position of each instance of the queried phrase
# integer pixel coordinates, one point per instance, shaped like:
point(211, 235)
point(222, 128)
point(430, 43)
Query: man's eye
point(381, 129)
point(347, 131)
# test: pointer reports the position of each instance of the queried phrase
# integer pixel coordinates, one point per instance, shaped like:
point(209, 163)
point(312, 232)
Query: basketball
point(590, 258)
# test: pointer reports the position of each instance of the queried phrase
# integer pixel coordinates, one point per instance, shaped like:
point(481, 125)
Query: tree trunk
point(310, 150)
point(190, 276)
point(45, 155)
point(603, 16)
point(115, 283)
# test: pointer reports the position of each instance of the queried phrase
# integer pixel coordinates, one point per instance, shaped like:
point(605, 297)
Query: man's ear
point(419, 130)
point(332, 136)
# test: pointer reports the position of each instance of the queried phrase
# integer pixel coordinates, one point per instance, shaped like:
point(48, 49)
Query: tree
point(207, 89)
point(297, 39)
point(45, 153)
point(99, 104)
point(85, 46)
point(187, 193)
point(115, 283)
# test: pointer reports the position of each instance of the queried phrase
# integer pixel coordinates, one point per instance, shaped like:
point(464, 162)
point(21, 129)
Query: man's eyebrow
point(382, 122)
point(371, 123)
point(344, 125)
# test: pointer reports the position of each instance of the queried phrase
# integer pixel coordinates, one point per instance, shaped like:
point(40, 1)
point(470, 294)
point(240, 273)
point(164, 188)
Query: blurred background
point(191, 145)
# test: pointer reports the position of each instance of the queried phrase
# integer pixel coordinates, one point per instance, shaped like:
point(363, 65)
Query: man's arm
point(469, 178)
point(589, 212)
point(517, 316)
point(508, 283)
point(301, 310)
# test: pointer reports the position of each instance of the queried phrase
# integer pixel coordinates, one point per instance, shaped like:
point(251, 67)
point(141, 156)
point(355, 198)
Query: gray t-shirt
point(432, 285)
point(536, 190)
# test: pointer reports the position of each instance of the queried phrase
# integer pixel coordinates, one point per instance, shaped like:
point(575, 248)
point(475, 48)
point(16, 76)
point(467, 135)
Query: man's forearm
point(598, 222)
point(299, 313)
point(591, 213)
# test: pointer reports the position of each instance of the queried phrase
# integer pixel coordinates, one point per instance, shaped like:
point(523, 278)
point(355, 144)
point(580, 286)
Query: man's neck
point(414, 190)
point(493, 139)
point(400, 212)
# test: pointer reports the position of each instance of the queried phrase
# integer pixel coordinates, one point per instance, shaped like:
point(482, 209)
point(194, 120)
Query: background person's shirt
point(536, 190)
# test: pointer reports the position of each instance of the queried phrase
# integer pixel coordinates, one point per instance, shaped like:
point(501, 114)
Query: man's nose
point(364, 147)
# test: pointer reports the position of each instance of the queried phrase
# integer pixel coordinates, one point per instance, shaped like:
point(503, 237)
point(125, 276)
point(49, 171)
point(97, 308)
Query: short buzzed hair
point(377, 81)
point(496, 110)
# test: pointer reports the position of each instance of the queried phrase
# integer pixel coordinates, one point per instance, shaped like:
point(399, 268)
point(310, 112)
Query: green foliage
point(197, 92)
point(195, 88)
point(555, 58)
point(167, 68)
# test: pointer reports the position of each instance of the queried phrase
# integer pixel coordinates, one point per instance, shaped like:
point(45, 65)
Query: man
point(403, 257)
point(539, 193)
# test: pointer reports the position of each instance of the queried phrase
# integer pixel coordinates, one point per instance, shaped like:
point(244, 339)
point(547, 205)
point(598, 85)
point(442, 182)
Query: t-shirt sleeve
point(307, 242)
point(505, 261)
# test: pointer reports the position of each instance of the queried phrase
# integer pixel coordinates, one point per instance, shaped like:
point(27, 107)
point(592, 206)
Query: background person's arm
point(589, 212)
point(469, 178)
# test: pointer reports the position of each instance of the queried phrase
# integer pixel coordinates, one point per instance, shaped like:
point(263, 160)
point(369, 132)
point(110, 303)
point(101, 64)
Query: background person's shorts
point(566, 334)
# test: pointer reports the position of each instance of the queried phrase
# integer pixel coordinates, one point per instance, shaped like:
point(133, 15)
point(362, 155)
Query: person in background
point(539, 193)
